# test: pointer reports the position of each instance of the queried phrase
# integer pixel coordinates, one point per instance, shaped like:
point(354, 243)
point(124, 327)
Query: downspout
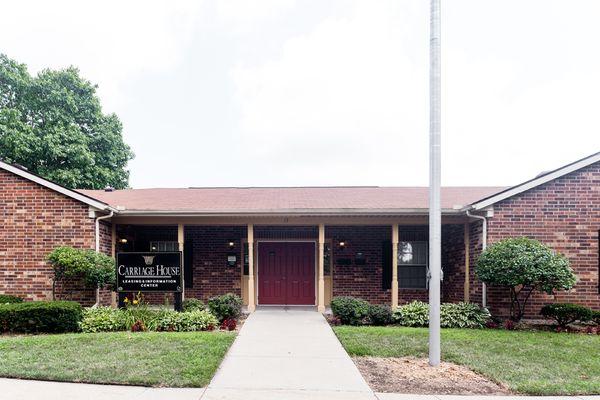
point(483, 247)
point(98, 249)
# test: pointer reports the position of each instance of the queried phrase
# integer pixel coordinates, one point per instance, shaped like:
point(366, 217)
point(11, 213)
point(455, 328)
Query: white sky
point(283, 92)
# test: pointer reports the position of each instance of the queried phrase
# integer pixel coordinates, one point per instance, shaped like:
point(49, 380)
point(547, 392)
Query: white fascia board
point(283, 212)
point(523, 187)
point(53, 186)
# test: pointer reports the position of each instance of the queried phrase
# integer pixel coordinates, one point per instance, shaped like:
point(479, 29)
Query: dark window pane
point(246, 259)
point(412, 276)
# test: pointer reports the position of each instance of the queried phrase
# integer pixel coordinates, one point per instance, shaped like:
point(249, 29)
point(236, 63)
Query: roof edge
point(535, 182)
point(56, 187)
point(284, 212)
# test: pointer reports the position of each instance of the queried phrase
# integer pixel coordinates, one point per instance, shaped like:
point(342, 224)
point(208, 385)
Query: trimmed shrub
point(103, 319)
point(226, 306)
point(7, 298)
point(41, 317)
point(463, 315)
point(380, 315)
point(415, 313)
point(566, 313)
point(192, 304)
point(350, 310)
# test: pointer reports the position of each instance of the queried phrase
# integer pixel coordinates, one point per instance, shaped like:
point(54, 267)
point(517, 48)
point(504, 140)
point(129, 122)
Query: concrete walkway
point(289, 353)
point(21, 389)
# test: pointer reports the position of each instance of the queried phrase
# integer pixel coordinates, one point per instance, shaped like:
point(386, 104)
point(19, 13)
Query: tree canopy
point(524, 265)
point(53, 124)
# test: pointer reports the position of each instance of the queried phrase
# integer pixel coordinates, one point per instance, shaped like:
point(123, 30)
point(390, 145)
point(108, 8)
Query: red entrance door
point(286, 273)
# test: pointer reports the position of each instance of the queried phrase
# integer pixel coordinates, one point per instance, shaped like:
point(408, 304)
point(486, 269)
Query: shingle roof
point(287, 199)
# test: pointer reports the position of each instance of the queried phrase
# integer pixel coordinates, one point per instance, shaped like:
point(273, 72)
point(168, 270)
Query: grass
point(175, 359)
point(540, 363)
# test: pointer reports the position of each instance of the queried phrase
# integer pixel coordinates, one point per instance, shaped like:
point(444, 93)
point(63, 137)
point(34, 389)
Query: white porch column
point(180, 240)
point(321, 272)
point(251, 301)
point(394, 266)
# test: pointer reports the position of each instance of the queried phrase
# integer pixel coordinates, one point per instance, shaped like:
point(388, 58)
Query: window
point(412, 264)
point(164, 246)
point(246, 259)
point(327, 259)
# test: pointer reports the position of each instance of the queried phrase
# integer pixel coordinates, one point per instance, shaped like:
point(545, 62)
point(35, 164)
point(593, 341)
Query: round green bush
point(567, 313)
point(227, 306)
point(380, 315)
point(192, 304)
point(350, 310)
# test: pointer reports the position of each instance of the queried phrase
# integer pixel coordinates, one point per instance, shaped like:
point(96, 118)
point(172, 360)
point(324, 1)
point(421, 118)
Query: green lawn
point(152, 359)
point(542, 363)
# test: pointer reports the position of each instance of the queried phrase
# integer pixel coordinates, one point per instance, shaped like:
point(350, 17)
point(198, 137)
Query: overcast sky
point(269, 93)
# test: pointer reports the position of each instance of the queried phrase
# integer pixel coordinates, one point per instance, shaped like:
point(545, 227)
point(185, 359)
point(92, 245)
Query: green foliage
point(380, 315)
point(225, 306)
point(463, 315)
point(567, 313)
point(524, 265)
point(53, 124)
point(189, 321)
point(452, 315)
point(97, 269)
point(596, 316)
point(350, 310)
point(106, 319)
point(415, 313)
point(191, 304)
point(40, 317)
point(102, 319)
point(7, 298)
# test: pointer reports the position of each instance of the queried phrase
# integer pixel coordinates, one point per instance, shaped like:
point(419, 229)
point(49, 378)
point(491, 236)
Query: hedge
point(40, 317)
point(7, 298)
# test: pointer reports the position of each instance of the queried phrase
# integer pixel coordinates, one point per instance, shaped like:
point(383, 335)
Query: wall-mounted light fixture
point(123, 240)
point(231, 244)
point(342, 244)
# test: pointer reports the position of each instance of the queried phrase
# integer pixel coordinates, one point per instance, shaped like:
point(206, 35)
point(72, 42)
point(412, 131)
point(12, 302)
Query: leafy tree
point(96, 269)
point(53, 124)
point(524, 265)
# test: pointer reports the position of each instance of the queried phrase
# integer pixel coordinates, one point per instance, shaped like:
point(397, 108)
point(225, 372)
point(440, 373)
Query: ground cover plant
point(107, 319)
point(177, 359)
point(529, 362)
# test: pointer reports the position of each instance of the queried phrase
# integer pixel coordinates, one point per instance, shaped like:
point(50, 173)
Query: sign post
point(150, 272)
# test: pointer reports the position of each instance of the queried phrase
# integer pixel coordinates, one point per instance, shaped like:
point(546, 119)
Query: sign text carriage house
point(302, 245)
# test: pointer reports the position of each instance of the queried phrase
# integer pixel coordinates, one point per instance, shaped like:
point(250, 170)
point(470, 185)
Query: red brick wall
point(35, 220)
point(212, 276)
point(453, 263)
point(564, 214)
point(362, 281)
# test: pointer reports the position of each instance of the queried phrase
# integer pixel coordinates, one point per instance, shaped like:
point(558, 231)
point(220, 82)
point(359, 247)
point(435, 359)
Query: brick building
point(303, 245)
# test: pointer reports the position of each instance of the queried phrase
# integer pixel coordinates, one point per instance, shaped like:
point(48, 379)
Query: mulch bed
point(415, 376)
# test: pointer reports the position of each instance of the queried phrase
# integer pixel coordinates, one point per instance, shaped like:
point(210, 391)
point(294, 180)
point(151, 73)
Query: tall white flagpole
point(435, 217)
